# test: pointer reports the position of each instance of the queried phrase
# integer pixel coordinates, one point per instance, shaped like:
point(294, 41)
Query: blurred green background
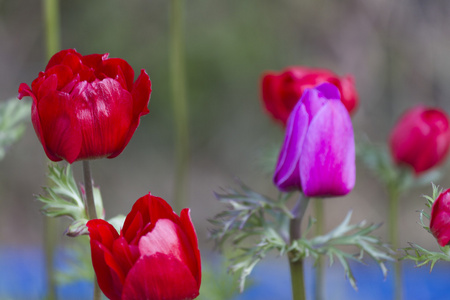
point(398, 52)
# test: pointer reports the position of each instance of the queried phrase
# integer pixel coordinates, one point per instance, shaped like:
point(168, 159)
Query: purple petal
point(286, 175)
point(327, 164)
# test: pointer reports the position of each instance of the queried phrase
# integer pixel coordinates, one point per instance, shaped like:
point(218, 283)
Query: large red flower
point(86, 107)
point(421, 138)
point(281, 91)
point(155, 256)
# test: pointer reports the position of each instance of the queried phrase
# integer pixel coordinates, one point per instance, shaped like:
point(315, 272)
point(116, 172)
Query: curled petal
point(287, 174)
point(189, 230)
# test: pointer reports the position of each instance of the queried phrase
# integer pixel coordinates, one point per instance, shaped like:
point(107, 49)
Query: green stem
point(177, 70)
point(52, 33)
point(297, 280)
point(320, 279)
point(91, 211)
point(394, 197)
point(88, 186)
point(296, 267)
point(50, 226)
point(50, 9)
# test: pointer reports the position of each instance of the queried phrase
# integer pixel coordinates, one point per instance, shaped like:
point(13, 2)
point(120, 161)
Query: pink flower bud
point(440, 218)
point(421, 138)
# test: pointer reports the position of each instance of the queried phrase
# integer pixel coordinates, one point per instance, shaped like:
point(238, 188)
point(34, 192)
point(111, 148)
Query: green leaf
point(346, 234)
point(63, 198)
point(250, 217)
point(14, 115)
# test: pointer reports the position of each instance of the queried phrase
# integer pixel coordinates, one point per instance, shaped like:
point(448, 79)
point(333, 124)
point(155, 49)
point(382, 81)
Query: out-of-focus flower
point(421, 138)
point(155, 256)
point(281, 91)
point(440, 218)
point(86, 107)
point(318, 153)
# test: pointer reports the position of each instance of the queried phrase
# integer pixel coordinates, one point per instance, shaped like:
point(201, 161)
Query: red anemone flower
point(86, 107)
point(155, 256)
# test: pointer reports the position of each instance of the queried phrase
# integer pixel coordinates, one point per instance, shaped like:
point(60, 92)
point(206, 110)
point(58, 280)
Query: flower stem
point(296, 266)
point(90, 203)
point(319, 282)
point(177, 70)
point(49, 237)
point(394, 196)
point(50, 9)
point(91, 211)
point(52, 34)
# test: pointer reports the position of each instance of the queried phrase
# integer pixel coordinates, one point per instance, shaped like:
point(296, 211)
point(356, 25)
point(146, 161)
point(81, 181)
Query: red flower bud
point(282, 91)
point(86, 107)
point(421, 138)
point(440, 218)
point(155, 256)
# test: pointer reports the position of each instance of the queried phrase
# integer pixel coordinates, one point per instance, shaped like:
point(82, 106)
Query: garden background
point(397, 51)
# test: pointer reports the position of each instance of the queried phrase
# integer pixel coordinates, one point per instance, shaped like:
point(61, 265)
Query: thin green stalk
point(394, 197)
point(297, 280)
point(179, 100)
point(50, 9)
point(49, 237)
point(52, 32)
point(320, 279)
point(296, 267)
point(91, 212)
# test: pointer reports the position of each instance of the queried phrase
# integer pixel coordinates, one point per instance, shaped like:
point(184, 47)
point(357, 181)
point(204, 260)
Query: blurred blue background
point(270, 280)
point(398, 52)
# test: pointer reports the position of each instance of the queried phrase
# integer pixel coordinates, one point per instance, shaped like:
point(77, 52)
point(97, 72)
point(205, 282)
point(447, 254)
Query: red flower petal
point(102, 231)
point(108, 280)
point(58, 58)
point(133, 228)
point(72, 61)
point(63, 74)
point(24, 91)
point(59, 130)
point(141, 94)
point(112, 66)
point(122, 254)
point(103, 109)
point(159, 277)
point(189, 230)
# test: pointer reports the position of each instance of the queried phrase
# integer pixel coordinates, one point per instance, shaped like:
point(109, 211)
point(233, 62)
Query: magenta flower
point(318, 153)
point(440, 218)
